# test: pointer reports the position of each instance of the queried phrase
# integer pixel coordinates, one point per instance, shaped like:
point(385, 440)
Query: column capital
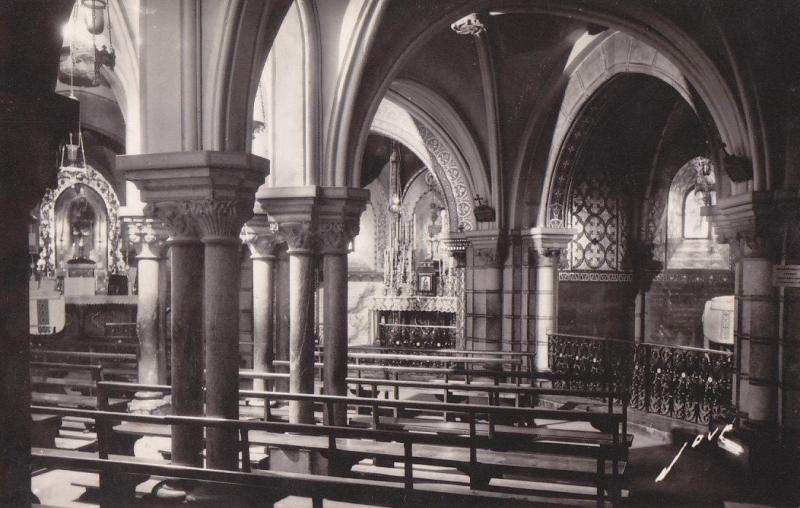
point(315, 218)
point(751, 223)
point(488, 246)
point(149, 237)
point(454, 243)
point(261, 236)
point(176, 219)
point(205, 193)
point(550, 242)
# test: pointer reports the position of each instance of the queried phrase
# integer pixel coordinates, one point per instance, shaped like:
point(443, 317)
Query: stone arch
point(436, 153)
point(724, 107)
point(616, 55)
point(247, 29)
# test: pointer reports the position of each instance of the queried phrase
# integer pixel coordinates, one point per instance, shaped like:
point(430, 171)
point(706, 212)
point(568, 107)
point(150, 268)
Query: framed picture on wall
point(426, 283)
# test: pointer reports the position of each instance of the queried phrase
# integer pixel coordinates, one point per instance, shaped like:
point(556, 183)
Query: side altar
point(79, 276)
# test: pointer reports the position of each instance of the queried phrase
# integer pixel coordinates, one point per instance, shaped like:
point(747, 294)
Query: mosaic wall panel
point(596, 210)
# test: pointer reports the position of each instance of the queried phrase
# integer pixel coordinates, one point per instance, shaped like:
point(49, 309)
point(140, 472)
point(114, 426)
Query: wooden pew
point(494, 393)
point(472, 454)
point(117, 365)
point(49, 387)
point(525, 359)
point(275, 485)
point(551, 448)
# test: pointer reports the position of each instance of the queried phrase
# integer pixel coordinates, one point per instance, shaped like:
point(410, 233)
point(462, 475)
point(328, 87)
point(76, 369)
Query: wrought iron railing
point(687, 383)
point(591, 363)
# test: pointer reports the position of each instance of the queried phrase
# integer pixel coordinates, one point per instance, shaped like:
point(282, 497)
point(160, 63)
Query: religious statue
point(81, 222)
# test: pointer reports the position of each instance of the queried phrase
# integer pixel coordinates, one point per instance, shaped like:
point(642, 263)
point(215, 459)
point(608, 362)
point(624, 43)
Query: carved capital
point(301, 237)
point(752, 223)
point(220, 219)
point(175, 217)
point(334, 236)
point(261, 237)
point(149, 237)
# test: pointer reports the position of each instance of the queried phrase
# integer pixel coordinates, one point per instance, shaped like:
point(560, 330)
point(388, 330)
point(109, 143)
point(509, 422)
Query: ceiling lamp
point(87, 44)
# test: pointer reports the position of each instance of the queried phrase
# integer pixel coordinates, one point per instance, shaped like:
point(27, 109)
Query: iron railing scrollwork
point(690, 384)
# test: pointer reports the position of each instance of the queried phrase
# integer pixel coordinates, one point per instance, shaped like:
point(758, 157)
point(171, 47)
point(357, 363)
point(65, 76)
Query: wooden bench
point(277, 485)
point(526, 357)
point(117, 365)
point(522, 395)
point(49, 388)
point(342, 443)
point(586, 460)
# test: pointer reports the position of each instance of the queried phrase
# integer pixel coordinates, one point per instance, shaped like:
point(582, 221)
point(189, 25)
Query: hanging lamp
point(87, 44)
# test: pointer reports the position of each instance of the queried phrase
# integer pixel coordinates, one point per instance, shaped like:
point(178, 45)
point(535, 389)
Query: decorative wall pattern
point(597, 211)
point(440, 153)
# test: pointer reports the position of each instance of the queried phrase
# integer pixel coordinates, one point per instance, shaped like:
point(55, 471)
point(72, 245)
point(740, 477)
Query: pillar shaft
point(301, 333)
point(758, 344)
point(335, 319)
point(282, 292)
point(150, 362)
point(216, 192)
point(484, 288)
point(149, 238)
point(546, 295)
point(187, 348)
point(15, 347)
point(260, 236)
point(548, 243)
point(263, 317)
point(312, 220)
point(221, 332)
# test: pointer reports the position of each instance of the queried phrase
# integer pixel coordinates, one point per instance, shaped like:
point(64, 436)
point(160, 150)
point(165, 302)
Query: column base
point(297, 461)
point(150, 403)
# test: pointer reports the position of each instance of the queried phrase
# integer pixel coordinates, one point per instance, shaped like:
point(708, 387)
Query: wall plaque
point(786, 276)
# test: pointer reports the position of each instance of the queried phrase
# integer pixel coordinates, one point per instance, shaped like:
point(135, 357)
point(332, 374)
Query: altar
point(79, 276)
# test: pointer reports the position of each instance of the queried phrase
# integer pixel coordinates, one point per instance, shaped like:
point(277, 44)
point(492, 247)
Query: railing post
point(408, 464)
point(245, 442)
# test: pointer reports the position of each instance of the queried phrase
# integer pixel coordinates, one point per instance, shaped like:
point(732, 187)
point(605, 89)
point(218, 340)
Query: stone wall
point(604, 309)
point(674, 304)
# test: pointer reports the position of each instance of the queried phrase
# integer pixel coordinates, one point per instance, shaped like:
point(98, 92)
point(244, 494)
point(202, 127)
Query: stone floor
point(703, 477)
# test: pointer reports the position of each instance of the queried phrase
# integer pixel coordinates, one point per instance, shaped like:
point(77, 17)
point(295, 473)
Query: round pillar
point(335, 318)
point(757, 340)
point(149, 239)
point(221, 332)
point(546, 304)
point(301, 332)
point(282, 292)
point(187, 348)
point(263, 318)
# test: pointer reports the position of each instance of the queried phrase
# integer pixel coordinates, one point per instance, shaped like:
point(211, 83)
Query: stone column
point(484, 290)
point(548, 244)
point(456, 246)
point(301, 239)
point(214, 193)
point(282, 292)
point(340, 212)
point(260, 237)
point(746, 222)
point(220, 222)
point(34, 121)
point(149, 238)
point(186, 253)
point(294, 211)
